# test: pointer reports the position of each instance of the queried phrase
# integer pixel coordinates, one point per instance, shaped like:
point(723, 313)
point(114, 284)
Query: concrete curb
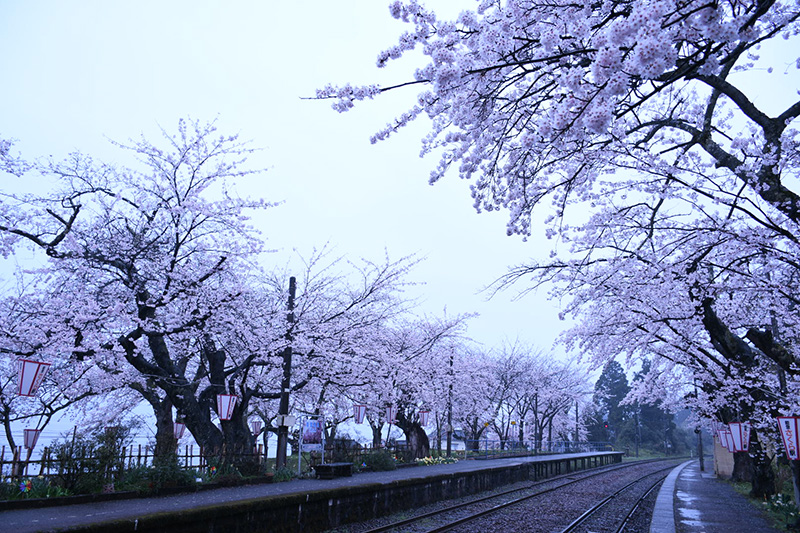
point(664, 511)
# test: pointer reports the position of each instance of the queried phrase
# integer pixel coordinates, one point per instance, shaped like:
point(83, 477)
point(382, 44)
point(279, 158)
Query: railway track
point(522, 508)
point(604, 516)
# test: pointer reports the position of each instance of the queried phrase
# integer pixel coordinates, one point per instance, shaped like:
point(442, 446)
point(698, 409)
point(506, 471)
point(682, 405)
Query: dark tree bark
point(416, 438)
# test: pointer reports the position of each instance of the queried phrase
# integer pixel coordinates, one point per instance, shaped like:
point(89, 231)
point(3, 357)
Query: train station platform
point(302, 505)
point(691, 501)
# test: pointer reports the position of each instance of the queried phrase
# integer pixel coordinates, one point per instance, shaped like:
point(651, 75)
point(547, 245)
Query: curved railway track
point(531, 502)
point(603, 516)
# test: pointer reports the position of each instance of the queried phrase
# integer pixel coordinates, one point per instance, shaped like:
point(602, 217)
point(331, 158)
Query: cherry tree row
point(148, 288)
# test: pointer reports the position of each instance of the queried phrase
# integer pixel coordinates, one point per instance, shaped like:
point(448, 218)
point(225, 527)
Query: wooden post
point(15, 462)
point(45, 462)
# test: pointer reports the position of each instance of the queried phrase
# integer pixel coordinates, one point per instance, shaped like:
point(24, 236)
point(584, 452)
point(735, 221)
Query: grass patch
point(779, 510)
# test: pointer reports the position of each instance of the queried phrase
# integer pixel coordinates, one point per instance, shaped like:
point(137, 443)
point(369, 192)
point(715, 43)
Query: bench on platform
point(332, 470)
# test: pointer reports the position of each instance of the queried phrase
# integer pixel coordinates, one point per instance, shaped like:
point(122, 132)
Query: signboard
point(286, 420)
point(391, 412)
point(740, 433)
point(312, 436)
point(789, 434)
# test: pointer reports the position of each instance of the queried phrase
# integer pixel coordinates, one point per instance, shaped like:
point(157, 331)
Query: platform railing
point(488, 448)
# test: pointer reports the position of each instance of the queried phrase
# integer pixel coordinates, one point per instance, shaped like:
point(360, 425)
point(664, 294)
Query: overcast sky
point(77, 73)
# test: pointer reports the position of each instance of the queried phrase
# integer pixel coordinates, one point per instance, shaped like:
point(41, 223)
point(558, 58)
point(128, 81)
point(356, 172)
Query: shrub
point(164, 474)
point(379, 461)
point(87, 463)
point(283, 474)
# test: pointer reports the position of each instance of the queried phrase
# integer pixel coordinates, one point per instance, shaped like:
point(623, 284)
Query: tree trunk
point(742, 467)
point(166, 443)
point(763, 477)
point(796, 484)
point(417, 439)
point(376, 435)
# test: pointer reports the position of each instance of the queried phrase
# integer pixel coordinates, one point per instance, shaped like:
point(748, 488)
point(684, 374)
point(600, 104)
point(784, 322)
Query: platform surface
point(74, 516)
point(691, 501)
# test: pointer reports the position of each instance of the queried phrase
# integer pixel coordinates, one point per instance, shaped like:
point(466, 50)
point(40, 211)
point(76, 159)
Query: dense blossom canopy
point(666, 164)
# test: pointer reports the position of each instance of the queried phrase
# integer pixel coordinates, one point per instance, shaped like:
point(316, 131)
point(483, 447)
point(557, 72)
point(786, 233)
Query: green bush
point(88, 463)
point(283, 474)
point(379, 461)
point(164, 474)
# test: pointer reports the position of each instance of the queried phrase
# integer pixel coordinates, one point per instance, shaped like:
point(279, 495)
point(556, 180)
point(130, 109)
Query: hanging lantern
point(225, 405)
point(31, 436)
point(391, 412)
point(789, 433)
point(178, 429)
point(31, 374)
point(255, 426)
point(424, 418)
point(359, 412)
point(740, 433)
point(726, 439)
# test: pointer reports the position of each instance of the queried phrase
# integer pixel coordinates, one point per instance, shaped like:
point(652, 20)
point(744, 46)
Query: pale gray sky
point(79, 72)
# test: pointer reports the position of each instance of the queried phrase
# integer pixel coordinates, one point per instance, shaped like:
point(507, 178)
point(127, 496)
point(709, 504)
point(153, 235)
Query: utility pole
point(450, 410)
point(286, 382)
point(700, 448)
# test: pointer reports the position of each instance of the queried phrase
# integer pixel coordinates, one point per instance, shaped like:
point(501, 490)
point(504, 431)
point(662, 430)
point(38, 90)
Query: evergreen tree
point(609, 392)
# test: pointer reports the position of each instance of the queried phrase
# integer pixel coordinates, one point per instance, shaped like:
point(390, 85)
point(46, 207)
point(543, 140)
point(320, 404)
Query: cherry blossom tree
point(665, 167)
point(474, 395)
point(640, 112)
point(148, 256)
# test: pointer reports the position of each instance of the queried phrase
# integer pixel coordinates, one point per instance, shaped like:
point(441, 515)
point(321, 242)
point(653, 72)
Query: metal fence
point(21, 463)
point(486, 448)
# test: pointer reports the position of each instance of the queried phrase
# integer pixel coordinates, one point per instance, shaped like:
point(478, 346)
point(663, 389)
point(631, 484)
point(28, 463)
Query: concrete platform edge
point(664, 511)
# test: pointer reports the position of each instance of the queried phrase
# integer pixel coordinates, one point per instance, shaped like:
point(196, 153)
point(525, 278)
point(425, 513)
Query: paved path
point(691, 501)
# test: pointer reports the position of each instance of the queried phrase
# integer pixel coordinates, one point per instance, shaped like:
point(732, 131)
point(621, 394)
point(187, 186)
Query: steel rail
point(605, 501)
point(585, 474)
point(639, 502)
